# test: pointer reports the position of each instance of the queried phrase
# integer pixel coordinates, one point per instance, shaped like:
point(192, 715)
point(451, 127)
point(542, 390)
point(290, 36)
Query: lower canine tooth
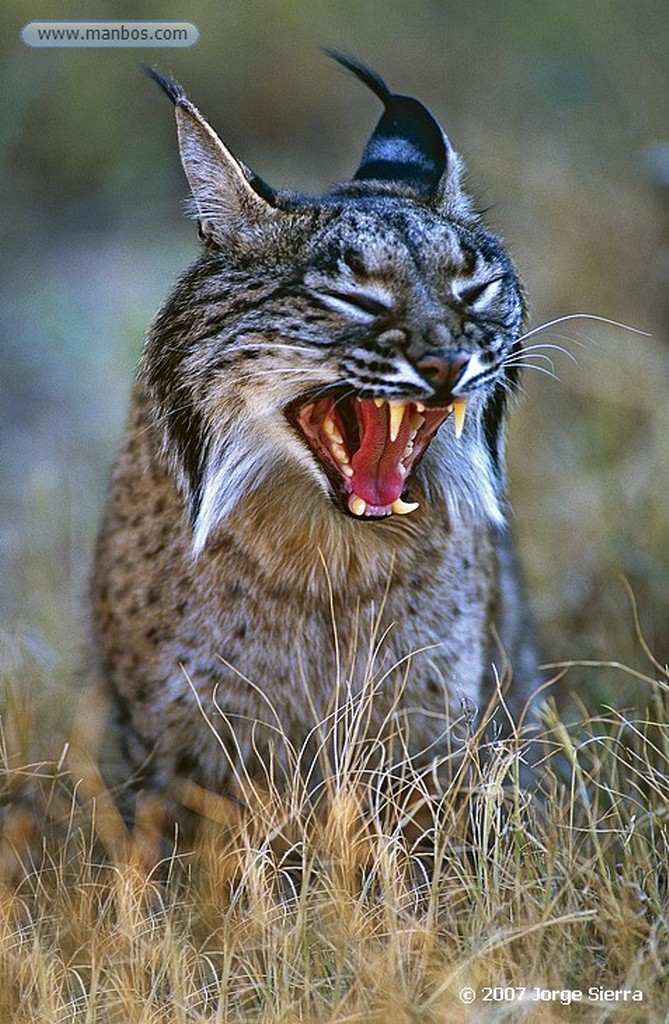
point(459, 410)
point(356, 505)
point(402, 508)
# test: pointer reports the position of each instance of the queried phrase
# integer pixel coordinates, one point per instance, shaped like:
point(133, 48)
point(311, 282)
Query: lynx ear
point(231, 202)
point(408, 146)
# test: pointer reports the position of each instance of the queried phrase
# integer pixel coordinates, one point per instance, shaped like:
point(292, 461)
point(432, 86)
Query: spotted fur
point(238, 601)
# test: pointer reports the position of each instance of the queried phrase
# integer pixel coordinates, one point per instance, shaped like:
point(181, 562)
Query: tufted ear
point(408, 146)
point(231, 203)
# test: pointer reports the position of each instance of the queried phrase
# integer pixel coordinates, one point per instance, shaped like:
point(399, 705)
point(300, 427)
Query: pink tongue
point(377, 477)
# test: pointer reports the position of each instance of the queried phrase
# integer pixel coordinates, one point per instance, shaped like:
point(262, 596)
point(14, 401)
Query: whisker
point(582, 316)
point(512, 390)
point(540, 347)
point(283, 371)
point(540, 369)
point(283, 347)
point(517, 391)
point(581, 342)
point(524, 359)
point(158, 421)
point(345, 394)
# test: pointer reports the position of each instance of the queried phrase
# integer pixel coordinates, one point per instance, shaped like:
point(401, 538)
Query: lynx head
point(337, 340)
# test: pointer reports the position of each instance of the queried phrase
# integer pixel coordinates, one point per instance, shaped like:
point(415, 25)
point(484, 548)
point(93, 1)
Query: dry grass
point(374, 906)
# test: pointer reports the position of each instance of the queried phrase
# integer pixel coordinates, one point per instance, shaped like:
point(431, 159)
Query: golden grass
point(374, 906)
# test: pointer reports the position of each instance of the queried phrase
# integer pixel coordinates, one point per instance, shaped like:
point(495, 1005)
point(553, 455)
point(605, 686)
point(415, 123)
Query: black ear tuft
point(367, 75)
point(169, 86)
point(408, 145)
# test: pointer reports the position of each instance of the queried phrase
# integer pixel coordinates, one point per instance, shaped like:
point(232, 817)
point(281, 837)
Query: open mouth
point(369, 447)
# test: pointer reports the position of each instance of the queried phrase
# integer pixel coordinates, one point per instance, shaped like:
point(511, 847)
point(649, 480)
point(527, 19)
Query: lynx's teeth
point(356, 505)
point(378, 402)
point(330, 430)
point(340, 454)
point(459, 411)
point(415, 423)
point(402, 508)
point(396, 413)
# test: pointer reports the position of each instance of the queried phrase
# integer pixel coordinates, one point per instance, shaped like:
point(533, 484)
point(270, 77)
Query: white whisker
point(159, 421)
point(345, 394)
point(524, 359)
point(540, 369)
point(583, 342)
point(313, 353)
point(283, 371)
point(582, 316)
point(539, 348)
point(515, 391)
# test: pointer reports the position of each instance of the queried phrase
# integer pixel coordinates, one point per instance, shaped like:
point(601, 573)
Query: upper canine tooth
point(357, 505)
point(459, 411)
point(402, 508)
point(396, 414)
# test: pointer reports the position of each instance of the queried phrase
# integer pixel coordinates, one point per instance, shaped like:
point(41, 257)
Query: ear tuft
point(366, 74)
point(170, 86)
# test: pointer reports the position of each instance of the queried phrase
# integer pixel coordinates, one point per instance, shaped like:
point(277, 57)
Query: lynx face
point(415, 325)
point(359, 339)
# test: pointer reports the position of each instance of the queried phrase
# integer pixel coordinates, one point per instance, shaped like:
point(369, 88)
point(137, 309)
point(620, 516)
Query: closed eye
point(475, 293)
point(361, 304)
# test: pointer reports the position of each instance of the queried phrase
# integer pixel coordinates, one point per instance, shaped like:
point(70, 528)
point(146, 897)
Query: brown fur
point(238, 605)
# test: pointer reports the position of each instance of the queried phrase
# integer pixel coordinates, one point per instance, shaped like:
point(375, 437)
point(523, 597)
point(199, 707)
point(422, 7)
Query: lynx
point(309, 512)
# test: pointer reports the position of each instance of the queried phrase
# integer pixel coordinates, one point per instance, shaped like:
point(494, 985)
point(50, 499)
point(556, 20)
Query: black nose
point(442, 369)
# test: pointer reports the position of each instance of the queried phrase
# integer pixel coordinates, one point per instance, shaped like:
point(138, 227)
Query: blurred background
point(561, 109)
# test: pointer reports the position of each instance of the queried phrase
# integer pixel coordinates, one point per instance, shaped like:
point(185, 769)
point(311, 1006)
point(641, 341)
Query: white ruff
point(239, 464)
point(234, 468)
point(461, 476)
